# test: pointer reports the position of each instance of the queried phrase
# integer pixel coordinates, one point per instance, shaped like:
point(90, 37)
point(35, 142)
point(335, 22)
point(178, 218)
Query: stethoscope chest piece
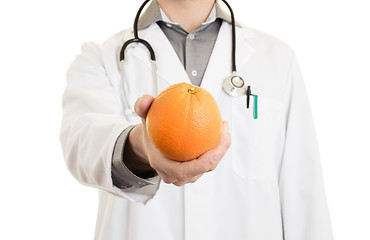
point(234, 86)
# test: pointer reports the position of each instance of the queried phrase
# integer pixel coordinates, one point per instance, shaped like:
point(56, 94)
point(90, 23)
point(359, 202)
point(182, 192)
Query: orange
point(184, 122)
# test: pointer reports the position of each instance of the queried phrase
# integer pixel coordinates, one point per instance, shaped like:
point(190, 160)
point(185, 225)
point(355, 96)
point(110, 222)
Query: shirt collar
point(154, 14)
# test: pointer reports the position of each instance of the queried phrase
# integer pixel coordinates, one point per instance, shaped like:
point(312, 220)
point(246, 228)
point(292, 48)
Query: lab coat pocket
point(254, 141)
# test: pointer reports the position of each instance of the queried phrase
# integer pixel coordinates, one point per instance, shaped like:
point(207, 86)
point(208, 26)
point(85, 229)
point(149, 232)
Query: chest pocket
point(254, 141)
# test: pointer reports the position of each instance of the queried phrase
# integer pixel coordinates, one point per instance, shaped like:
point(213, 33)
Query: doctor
point(266, 185)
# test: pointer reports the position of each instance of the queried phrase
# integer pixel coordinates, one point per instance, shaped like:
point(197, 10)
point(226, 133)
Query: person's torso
point(240, 198)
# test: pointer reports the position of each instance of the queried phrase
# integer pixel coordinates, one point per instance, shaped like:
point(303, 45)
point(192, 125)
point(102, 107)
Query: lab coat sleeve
point(92, 122)
point(122, 176)
point(304, 207)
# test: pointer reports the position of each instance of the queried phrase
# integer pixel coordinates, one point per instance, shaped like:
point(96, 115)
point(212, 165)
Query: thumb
point(142, 105)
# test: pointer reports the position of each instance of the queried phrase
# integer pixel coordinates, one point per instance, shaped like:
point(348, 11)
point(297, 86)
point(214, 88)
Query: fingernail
point(137, 104)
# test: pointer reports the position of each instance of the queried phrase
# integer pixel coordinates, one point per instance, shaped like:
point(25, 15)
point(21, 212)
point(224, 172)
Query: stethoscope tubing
point(150, 49)
point(233, 35)
point(228, 85)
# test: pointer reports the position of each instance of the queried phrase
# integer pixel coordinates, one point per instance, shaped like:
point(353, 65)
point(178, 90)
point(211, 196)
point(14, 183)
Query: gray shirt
point(194, 50)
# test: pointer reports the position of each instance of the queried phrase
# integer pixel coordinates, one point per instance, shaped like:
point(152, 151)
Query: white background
point(39, 39)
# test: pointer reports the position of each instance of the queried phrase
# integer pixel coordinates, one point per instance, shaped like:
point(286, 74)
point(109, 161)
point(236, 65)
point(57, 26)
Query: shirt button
point(191, 36)
point(194, 73)
point(169, 25)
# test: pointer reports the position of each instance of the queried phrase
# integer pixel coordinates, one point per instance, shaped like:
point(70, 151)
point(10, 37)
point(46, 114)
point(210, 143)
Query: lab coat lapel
point(169, 66)
point(219, 65)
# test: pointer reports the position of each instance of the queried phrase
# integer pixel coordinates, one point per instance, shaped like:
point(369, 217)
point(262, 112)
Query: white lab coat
point(268, 186)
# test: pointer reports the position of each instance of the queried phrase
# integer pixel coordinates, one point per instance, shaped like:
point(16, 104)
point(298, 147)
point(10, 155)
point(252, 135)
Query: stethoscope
point(234, 85)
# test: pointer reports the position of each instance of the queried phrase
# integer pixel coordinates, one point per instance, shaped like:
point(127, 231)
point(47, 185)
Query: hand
point(175, 172)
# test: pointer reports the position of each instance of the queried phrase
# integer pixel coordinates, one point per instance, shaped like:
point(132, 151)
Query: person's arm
point(126, 170)
point(92, 122)
point(142, 157)
point(304, 207)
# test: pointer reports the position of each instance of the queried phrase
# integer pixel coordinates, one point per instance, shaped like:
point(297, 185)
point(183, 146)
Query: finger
point(215, 155)
point(182, 183)
point(225, 141)
point(173, 171)
point(179, 183)
point(142, 105)
point(180, 173)
point(166, 178)
point(195, 178)
point(209, 160)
